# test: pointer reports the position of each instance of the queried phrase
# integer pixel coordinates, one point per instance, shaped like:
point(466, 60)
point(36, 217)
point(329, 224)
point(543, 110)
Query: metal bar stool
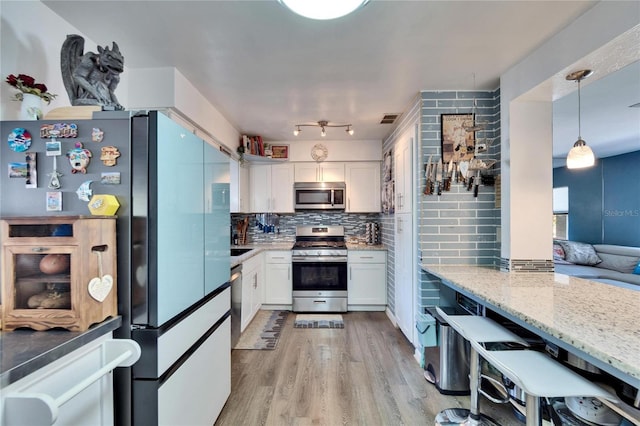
point(539, 376)
point(474, 329)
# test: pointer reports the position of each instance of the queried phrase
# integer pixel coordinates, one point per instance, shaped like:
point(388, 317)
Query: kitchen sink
point(240, 251)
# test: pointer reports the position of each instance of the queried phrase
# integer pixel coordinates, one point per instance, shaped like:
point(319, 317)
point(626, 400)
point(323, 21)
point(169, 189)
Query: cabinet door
point(249, 277)
point(281, 188)
point(363, 187)
point(331, 172)
point(257, 295)
point(260, 188)
point(243, 196)
point(367, 284)
point(403, 173)
point(278, 286)
point(405, 293)
point(306, 172)
point(239, 187)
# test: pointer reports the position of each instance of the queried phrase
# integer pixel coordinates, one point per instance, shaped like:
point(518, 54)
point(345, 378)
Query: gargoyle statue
point(91, 78)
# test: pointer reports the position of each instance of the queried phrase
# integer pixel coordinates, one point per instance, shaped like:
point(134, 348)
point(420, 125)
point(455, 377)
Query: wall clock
point(319, 152)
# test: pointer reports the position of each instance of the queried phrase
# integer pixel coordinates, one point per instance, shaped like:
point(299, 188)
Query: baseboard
point(392, 318)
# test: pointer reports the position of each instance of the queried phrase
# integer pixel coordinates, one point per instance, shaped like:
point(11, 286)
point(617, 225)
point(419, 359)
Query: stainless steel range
point(319, 258)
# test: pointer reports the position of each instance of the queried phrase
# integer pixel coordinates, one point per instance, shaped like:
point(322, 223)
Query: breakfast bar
point(595, 321)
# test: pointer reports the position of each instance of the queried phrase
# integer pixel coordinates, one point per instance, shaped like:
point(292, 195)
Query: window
point(561, 213)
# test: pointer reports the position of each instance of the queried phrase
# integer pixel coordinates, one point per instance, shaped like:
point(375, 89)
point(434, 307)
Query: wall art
point(457, 144)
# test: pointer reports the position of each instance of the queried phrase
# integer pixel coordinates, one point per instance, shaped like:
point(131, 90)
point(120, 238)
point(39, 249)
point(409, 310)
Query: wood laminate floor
point(364, 374)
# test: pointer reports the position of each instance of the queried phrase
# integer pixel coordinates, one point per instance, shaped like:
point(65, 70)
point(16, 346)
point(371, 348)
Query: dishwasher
point(236, 303)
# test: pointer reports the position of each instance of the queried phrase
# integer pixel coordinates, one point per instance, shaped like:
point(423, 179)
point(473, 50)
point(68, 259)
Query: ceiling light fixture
point(323, 9)
point(581, 155)
point(323, 124)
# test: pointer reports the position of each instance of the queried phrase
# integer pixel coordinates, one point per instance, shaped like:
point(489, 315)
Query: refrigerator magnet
point(17, 170)
point(32, 171)
point(109, 155)
point(63, 130)
point(97, 135)
point(53, 148)
point(79, 158)
point(84, 192)
point(110, 178)
point(19, 139)
point(54, 201)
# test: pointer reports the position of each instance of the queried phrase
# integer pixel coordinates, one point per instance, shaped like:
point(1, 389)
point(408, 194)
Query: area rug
point(318, 321)
point(264, 331)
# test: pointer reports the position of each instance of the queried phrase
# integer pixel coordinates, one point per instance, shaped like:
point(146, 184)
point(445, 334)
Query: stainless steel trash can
point(447, 365)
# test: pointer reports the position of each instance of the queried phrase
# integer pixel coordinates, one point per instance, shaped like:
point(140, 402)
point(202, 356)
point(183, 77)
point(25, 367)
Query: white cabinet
point(278, 285)
point(252, 288)
point(403, 172)
point(271, 188)
point(405, 292)
point(367, 280)
point(239, 187)
point(363, 187)
point(314, 172)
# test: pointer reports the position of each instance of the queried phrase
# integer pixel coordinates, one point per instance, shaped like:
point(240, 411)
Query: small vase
point(31, 108)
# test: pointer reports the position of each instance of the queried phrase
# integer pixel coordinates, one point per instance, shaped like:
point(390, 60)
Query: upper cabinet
point(239, 198)
point(271, 188)
point(403, 172)
point(319, 172)
point(363, 187)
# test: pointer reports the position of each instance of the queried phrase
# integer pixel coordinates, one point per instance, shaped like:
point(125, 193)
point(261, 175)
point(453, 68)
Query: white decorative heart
point(99, 288)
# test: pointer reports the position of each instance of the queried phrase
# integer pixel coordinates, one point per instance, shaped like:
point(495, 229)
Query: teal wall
point(604, 200)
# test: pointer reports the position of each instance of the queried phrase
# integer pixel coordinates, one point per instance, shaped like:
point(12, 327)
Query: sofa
point(610, 264)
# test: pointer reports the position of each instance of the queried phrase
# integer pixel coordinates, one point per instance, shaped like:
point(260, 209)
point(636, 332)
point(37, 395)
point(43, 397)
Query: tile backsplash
point(354, 224)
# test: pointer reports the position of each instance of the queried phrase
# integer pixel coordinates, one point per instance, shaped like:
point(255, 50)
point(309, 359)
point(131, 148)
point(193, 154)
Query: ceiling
point(267, 69)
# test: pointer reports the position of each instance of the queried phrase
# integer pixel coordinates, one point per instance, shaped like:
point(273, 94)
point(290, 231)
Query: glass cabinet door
point(41, 277)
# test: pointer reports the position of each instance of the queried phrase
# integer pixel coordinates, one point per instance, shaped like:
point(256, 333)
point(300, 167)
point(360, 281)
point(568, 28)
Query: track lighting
point(323, 124)
point(581, 155)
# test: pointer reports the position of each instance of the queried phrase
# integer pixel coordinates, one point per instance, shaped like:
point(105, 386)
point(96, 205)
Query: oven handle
point(319, 259)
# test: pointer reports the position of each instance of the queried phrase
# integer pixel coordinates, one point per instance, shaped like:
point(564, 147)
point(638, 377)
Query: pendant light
point(581, 155)
point(323, 9)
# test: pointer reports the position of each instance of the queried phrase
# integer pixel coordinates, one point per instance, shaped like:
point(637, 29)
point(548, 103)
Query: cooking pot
point(578, 364)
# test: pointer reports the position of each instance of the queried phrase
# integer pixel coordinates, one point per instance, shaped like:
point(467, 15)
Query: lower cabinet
point(278, 285)
point(252, 288)
point(367, 280)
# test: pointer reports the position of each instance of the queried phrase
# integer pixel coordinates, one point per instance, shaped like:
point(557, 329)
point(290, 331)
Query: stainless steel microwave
point(320, 195)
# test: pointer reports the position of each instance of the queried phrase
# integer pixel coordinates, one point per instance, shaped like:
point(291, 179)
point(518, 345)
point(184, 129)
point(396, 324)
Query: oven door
point(326, 278)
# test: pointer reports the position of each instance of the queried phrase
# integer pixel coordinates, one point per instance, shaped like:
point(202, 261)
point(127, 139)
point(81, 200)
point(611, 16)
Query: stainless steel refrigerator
point(173, 255)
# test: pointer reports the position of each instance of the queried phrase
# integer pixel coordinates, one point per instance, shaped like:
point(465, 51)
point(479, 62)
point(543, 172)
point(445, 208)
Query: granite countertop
point(364, 246)
point(258, 248)
point(599, 320)
point(24, 351)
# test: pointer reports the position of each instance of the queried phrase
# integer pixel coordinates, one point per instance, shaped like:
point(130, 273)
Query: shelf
point(249, 158)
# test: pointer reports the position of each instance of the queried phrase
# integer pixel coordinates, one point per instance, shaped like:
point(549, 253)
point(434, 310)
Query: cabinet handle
point(350, 272)
point(366, 257)
point(255, 281)
point(277, 257)
point(40, 249)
